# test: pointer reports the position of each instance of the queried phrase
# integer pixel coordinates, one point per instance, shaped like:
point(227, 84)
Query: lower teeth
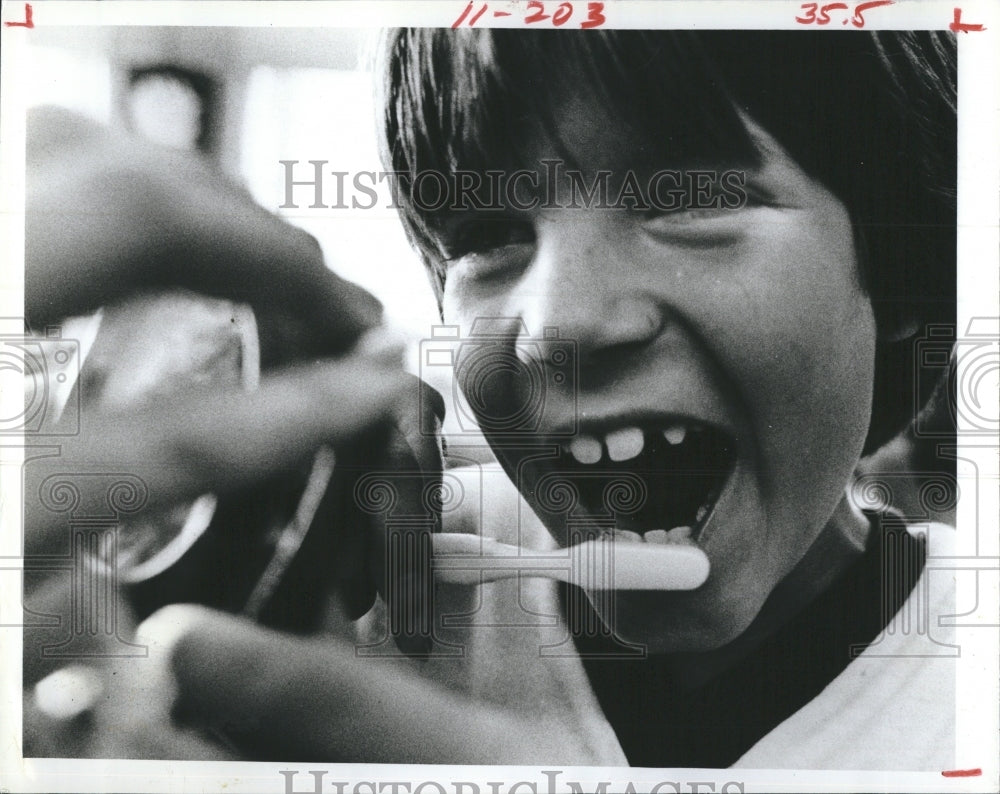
point(657, 536)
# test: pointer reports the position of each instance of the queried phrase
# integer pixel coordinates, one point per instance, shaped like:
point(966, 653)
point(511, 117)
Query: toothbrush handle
point(599, 565)
point(470, 559)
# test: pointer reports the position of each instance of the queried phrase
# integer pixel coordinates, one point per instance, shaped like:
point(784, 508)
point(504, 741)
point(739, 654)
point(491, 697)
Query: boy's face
point(725, 360)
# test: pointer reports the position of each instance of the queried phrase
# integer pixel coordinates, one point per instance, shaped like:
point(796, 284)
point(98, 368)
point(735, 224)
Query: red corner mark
point(956, 26)
point(28, 21)
point(962, 773)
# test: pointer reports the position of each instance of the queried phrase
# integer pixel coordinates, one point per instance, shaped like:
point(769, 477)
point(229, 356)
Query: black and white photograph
point(487, 396)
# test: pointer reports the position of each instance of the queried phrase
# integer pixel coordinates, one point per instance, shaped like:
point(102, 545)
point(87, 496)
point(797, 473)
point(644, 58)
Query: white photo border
point(978, 288)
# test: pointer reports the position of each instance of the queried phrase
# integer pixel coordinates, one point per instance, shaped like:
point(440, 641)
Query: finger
point(329, 559)
point(415, 452)
point(404, 459)
point(298, 699)
point(112, 697)
point(107, 215)
point(226, 245)
point(395, 498)
point(211, 441)
point(136, 718)
point(53, 610)
point(401, 547)
point(351, 527)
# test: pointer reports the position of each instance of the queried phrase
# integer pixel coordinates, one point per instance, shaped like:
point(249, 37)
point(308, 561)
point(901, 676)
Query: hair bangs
point(485, 100)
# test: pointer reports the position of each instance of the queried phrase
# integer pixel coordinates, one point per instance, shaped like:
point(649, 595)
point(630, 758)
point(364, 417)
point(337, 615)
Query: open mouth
point(655, 481)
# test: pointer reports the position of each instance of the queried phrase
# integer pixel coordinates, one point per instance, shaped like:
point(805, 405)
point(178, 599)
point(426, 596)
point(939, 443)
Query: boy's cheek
point(802, 356)
point(817, 406)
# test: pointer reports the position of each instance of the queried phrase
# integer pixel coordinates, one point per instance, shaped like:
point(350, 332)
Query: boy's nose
point(611, 324)
point(584, 284)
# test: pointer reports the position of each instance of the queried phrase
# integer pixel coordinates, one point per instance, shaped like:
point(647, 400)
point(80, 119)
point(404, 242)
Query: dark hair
point(872, 116)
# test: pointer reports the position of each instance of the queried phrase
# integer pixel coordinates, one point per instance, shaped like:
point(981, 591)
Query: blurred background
point(249, 98)
point(246, 99)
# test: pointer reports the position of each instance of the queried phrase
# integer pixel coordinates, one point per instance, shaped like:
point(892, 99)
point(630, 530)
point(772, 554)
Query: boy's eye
point(701, 228)
point(716, 225)
point(482, 234)
point(490, 245)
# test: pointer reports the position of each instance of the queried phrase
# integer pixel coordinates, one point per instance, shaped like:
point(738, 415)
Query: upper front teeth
point(586, 449)
point(675, 434)
point(622, 444)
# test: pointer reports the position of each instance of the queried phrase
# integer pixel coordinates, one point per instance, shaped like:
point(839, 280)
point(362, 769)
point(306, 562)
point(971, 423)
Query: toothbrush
point(596, 564)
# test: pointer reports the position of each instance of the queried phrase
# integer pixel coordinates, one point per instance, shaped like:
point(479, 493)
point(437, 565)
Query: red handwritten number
point(465, 13)
point(29, 22)
point(859, 19)
point(462, 16)
point(475, 17)
point(824, 12)
point(562, 14)
point(539, 14)
point(823, 17)
point(595, 16)
point(535, 13)
point(810, 9)
point(956, 26)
